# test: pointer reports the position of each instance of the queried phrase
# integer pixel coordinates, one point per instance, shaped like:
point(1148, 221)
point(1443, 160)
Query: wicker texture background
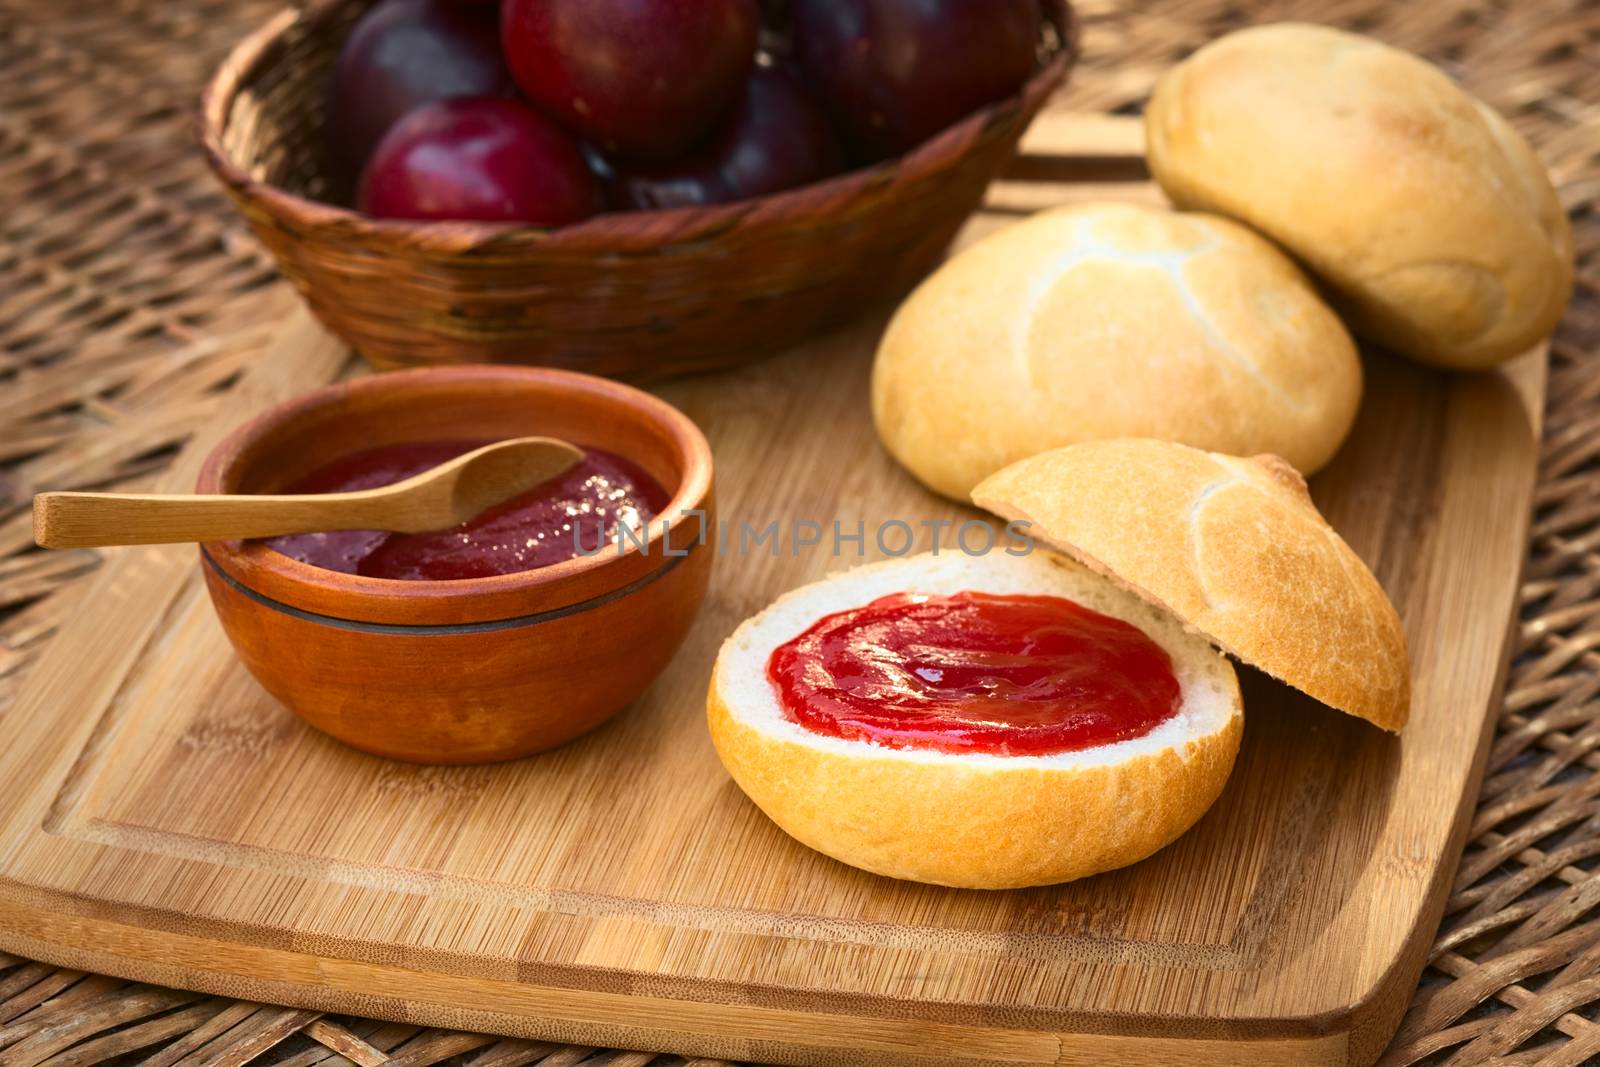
point(131, 295)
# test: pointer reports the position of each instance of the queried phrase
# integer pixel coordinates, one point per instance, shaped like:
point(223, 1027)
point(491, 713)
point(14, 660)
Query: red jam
point(975, 672)
point(533, 530)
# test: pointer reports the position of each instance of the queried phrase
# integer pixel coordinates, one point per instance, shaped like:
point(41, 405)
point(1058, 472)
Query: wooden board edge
point(1373, 1022)
point(645, 1023)
point(1373, 1019)
point(304, 356)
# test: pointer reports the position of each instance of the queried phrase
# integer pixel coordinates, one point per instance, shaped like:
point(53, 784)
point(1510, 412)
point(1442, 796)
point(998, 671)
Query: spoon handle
point(93, 520)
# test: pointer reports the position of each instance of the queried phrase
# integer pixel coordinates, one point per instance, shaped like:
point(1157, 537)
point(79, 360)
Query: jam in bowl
point(601, 499)
point(512, 634)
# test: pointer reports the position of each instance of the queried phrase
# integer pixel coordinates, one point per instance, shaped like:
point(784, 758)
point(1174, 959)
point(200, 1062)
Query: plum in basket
point(479, 158)
point(641, 78)
point(403, 54)
point(777, 138)
point(894, 72)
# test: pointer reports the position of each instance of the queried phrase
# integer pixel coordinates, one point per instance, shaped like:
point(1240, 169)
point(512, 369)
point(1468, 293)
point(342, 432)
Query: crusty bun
point(1233, 547)
point(1423, 208)
point(974, 820)
point(1111, 320)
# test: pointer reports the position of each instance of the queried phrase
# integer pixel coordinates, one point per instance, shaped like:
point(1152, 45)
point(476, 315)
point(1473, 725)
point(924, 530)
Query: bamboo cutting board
point(162, 819)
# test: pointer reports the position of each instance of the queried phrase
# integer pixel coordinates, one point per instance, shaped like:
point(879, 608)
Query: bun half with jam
point(974, 818)
point(1001, 721)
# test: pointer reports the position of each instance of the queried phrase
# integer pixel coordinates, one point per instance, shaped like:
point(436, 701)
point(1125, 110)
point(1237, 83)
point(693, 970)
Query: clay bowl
point(479, 669)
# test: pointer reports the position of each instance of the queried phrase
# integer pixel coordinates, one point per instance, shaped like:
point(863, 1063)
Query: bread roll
point(1234, 548)
point(1111, 320)
point(1421, 207)
point(975, 820)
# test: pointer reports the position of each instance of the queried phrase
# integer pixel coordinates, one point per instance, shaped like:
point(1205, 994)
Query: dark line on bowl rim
point(415, 630)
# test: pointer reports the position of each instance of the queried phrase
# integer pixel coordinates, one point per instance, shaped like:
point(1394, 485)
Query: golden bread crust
point(1112, 320)
point(973, 825)
point(1232, 547)
point(1429, 216)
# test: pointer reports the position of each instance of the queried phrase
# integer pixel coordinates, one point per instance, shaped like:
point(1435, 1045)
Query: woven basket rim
point(630, 230)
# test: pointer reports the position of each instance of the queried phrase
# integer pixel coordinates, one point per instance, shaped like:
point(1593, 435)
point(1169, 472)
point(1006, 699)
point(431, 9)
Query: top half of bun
point(1422, 208)
point(1234, 548)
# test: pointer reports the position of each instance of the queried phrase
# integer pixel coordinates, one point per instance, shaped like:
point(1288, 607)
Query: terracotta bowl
point(479, 669)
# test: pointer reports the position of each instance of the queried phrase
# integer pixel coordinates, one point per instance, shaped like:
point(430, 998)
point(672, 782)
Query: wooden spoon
point(437, 499)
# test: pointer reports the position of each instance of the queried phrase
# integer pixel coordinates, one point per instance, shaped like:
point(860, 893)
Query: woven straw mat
point(131, 296)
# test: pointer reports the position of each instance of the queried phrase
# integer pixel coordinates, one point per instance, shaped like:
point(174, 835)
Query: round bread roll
point(1233, 547)
point(1420, 206)
point(974, 820)
point(1111, 320)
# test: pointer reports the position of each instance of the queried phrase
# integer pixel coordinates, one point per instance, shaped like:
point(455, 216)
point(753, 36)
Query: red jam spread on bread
point(975, 672)
point(533, 530)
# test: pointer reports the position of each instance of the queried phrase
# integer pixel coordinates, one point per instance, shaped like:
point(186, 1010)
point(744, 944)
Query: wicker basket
point(637, 294)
